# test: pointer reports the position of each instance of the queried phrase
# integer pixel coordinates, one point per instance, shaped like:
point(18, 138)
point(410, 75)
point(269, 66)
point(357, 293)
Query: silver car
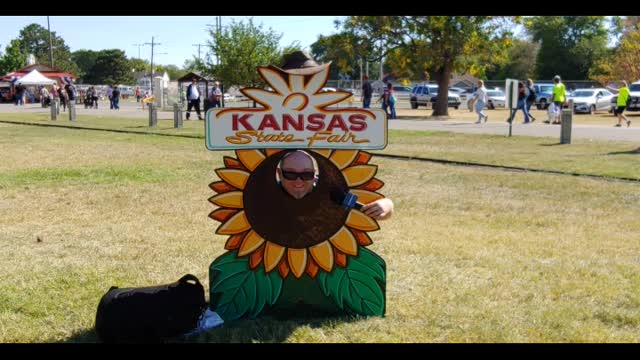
point(591, 100)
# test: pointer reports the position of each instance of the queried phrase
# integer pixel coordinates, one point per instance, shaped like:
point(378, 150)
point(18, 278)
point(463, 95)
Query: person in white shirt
point(193, 98)
point(480, 98)
point(216, 95)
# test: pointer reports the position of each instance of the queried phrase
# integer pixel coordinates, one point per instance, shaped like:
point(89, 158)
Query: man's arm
point(381, 209)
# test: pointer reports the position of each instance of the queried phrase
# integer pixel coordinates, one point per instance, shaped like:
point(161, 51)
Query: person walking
point(522, 101)
point(559, 92)
point(621, 104)
point(479, 99)
point(193, 96)
point(115, 98)
point(367, 92)
point(531, 98)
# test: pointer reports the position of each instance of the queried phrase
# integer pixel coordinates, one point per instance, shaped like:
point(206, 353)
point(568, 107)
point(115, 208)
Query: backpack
point(150, 314)
point(532, 95)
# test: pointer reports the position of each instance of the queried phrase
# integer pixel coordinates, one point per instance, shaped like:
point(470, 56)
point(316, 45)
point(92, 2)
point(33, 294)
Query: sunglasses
point(292, 175)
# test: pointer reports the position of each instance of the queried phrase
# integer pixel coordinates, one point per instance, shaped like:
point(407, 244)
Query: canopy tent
point(35, 78)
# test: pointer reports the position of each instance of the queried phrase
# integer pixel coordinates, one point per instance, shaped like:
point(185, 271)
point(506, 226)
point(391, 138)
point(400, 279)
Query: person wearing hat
point(193, 98)
point(559, 92)
point(216, 95)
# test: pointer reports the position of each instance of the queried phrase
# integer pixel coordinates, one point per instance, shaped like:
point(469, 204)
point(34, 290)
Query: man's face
point(299, 167)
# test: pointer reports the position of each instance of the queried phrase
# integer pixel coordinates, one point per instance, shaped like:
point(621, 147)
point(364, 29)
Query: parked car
point(544, 94)
point(229, 97)
point(427, 93)
point(463, 93)
point(634, 98)
point(402, 92)
point(591, 100)
point(495, 99)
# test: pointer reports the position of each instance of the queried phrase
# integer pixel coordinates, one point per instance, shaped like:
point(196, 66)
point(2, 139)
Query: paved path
point(596, 132)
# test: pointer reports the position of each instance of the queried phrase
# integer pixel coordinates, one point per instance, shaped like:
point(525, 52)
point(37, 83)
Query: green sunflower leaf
point(236, 290)
point(360, 286)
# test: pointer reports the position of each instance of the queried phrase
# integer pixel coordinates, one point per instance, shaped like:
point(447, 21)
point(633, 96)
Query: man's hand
point(380, 209)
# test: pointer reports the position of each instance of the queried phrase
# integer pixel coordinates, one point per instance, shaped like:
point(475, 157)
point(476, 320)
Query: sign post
point(511, 96)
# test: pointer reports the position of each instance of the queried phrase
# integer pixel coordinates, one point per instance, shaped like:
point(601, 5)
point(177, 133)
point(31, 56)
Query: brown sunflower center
point(286, 221)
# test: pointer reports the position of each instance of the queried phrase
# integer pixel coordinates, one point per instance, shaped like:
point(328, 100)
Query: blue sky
point(176, 34)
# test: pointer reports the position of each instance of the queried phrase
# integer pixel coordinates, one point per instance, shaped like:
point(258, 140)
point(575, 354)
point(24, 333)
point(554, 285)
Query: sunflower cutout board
point(306, 255)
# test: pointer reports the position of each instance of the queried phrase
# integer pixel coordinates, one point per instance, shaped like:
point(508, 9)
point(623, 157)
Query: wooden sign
point(295, 114)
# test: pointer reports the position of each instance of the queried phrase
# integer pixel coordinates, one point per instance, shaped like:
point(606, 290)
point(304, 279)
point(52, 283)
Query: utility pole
point(139, 46)
point(50, 44)
point(152, 43)
point(218, 29)
point(198, 45)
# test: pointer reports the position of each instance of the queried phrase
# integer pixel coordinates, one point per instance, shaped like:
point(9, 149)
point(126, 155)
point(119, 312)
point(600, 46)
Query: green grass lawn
point(473, 254)
point(603, 158)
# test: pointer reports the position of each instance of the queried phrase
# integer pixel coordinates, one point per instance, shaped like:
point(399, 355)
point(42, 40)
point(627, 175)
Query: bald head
point(297, 173)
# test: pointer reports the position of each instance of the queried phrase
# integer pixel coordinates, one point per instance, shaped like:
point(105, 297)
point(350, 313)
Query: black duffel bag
point(150, 314)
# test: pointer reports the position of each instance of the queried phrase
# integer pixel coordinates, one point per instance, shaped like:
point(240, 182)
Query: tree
point(438, 45)
point(174, 72)
point(519, 63)
point(569, 45)
point(139, 65)
point(35, 40)
point(13, 58)
point(85, 59)
point(339, 50)
point(241, 48)
point(111, 67)
point(622, 63)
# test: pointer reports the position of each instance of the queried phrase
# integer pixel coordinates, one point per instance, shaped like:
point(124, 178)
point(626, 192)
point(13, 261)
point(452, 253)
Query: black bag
point(150, 314)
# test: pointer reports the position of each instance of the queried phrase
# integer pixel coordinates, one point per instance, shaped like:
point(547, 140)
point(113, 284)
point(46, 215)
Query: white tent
point(35, 78)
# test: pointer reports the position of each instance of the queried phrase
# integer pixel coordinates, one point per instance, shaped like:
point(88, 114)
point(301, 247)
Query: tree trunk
point(440, 108)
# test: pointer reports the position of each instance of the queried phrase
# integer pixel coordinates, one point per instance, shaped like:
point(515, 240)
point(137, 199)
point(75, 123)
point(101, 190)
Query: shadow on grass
point(552, 144)
point(274, 328)
point(630, 152)
point(83, 336)
point(266, 329)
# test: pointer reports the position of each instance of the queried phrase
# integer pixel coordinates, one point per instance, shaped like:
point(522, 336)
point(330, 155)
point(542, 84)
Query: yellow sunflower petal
point(237, 224)
point(251, 242)
point(365, 196)
point(344, 241)
point(234, 177)
point(231, 199)
point(250, 158)
point(359, 221)
point(323, 152)
point(297, 261)
point(342, 158)
point(322, 254)
point(272, 255)
point(359, 174)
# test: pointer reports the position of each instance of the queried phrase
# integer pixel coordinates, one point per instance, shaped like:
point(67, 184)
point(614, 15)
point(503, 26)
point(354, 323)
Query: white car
point(591, 100)
point(495, 99)
point(463, 93)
